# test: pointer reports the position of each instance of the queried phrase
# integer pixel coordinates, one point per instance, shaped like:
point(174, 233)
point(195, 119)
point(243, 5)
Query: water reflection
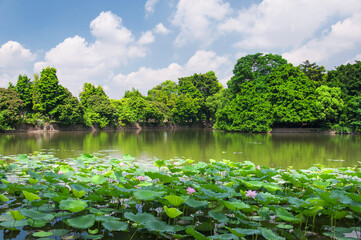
point(277, 150)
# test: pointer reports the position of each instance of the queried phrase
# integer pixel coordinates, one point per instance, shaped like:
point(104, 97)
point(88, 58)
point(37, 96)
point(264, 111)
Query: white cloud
point(78, 61)
point(161, 29)
point(14, 60)
point(283, 24)
point(201, 62)
point(146, 38)
point(149, 7)
point(344, 36)
point(196, 20)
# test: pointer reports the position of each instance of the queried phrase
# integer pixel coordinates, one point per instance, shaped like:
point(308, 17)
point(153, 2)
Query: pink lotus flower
point(251, 194)
point(258, 167)
point(190, 191)
point(60, 172)
point(121, 164)
point(176, 163)
point(140, 178)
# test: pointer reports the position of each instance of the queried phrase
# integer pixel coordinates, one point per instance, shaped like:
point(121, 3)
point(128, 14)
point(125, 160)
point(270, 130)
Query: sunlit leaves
point(73, 205)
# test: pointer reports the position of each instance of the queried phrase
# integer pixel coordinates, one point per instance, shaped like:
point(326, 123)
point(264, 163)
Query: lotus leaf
point(83, 222)
point(287, 216)
point(239, 205)
point(30, 196)
point(195, 234)
point(42, 234)
point(16, 215)
point(14, 223)
point(36, 223)
point(191, 202)
point(147, 195)
point(174, 200)
point(219, 217)
point(98, 179)
point(3, 198)
point(172, 212)
point(270, 235)
point(73, 205)
point(115, 226)
point(139, 217)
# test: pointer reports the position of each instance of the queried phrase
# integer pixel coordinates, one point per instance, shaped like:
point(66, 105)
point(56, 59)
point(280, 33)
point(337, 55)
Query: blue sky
point(121, 44)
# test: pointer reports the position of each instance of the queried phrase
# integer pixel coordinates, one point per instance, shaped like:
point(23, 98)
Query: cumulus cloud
point(146, 38)
point(149, 7)
point(343, 36)
point(283, 24)
point(197, 20)
point(161, 29)
point(14, 60)
point(79, 61)
point(201, 62)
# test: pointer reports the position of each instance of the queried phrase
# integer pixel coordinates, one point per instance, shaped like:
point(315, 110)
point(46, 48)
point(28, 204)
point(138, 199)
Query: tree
point(69, 112)
point(24, 89)
point(329, 104)
point(48, 93)
point(292, 95)
point(353, 113)
point(254, 68)
point(313, 71)
point(99, 111)
point(186, 109)
point(90, 90)
point(248, 111)
point(348, 78)
point(10, 106)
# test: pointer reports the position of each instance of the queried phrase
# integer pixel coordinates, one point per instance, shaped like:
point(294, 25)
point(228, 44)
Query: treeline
point(44, 100)
point(265, 92)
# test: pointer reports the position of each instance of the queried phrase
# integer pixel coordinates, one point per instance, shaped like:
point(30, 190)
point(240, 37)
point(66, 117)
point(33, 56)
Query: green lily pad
point(219, 217)
point(270, 235)
point(174, 200)
point(191, 202)
point(98, 179)
point(36, 223)
point(16, 215)
point(39, 216)
point(147, 195)
point(287, 216)
point(30, 196)
point(197, 235)
point(172, 212)
point(83, 222)
point(42, 234)
point(73, 205)
point(3, 198)
point(234, 206)
point(158, 226)
point(139, 217)
point(115, 226)
point(13, 223)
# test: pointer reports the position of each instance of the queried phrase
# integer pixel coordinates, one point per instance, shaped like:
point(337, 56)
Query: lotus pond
point(43, 197)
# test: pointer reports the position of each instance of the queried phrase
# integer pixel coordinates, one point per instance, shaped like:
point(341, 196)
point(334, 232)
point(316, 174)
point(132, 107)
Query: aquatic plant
point(91, 198)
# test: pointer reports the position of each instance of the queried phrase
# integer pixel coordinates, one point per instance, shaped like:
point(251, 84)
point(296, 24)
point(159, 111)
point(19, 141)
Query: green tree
point(99, 111)
point(353, 113)
point(186, 109)
point(48, 93)
point(348, 78)
point(247, 111)
point(254, 68)
point(313, 71)
point(10, 106)
point(292, 95)
point(24, 89)
point(90, 90)
point(329, 104)
point(69, 112)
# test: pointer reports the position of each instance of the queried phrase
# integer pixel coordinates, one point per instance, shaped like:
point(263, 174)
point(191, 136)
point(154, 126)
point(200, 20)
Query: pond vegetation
point(43, 197)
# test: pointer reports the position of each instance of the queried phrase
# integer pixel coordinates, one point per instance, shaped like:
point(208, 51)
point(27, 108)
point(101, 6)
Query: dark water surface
point(277, 150)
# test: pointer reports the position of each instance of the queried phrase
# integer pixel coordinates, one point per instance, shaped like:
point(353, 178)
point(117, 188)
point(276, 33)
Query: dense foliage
point(91, 198)
point(265, 92)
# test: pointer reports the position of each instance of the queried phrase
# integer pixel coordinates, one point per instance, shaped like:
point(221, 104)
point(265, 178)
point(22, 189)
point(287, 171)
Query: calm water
point(277, 150)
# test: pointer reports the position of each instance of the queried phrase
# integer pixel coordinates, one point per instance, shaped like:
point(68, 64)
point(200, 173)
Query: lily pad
point(73, 205)
point(115, 226)
point(147, 195)
point(174, 200)
point(172, 212)
point(83, 222)
point(39, 216)
point(42, 234)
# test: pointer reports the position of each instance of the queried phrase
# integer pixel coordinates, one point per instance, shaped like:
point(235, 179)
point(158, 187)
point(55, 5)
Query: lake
point(276, 150)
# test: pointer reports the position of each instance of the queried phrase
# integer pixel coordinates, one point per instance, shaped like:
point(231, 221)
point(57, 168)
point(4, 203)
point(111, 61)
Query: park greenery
point(43, 197)
point(265, 92)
